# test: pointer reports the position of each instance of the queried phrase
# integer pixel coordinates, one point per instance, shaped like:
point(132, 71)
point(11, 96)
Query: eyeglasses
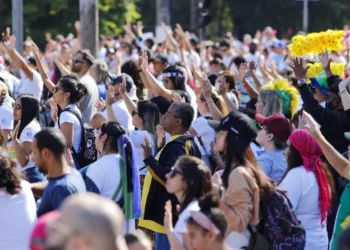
point(56, 89)
point(16, 106)
point(174, 171)
point(77, 61)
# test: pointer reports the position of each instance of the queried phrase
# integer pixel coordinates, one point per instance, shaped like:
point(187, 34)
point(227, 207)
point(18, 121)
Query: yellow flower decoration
point(316, 69)
point(317, 42)
point(288, 93)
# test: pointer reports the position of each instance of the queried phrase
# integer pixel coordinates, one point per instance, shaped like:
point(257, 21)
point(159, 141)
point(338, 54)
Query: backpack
point(88, 152)
point(279, 224)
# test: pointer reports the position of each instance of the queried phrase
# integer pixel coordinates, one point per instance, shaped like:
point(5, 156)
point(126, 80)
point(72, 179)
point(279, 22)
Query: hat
point(31, 60)
point(277, 124)
point(280, 44)
point(321, 82)
point(162, 58)
point(237, 123)
point(119, 79)
point(38, 236)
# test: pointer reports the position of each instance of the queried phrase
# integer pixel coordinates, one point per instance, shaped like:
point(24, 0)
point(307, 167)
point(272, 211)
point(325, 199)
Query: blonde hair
point(218, 101)
point(272, 102)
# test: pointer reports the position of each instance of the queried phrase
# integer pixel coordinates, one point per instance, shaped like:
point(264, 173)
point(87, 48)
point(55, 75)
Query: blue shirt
point(274, 164)
point(60, 188)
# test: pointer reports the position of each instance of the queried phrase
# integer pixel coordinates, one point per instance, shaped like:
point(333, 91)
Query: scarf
point(132, 199)
point(311, 152)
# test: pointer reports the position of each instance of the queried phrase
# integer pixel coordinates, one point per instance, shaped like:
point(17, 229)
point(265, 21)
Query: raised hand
point(54, 111)
point(222, 84)
point(10, 43)
point(160, 136)
point(325, 60)
point(110, 96)
point(177, 97)
point(144, 61)
point(122, 89)
point(15, 133)
point(242, 72)
point(252, 67)
point(299, 67)
point(147, 149)
point(100, 104)
point(168, 218)
point(207, 88)
point(311, 126)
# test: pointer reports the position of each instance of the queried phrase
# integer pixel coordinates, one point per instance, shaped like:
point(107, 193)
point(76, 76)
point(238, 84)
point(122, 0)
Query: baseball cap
point(117, 79)
point(111, 51)
point(31, 60)
point(277, 124)
point(280, 44)
point(238, 123)
point(38, 236)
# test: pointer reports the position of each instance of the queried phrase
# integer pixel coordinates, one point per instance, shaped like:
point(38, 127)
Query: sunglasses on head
point(174, 171)
point(16, 106)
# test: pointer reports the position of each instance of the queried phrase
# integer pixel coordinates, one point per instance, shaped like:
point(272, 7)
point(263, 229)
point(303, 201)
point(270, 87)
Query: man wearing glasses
point(81, 65)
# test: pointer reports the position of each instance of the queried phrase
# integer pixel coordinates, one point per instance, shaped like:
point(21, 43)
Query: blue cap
point(117, 79)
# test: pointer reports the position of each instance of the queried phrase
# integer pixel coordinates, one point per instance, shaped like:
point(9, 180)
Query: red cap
point(38, 236)
point(277, 124)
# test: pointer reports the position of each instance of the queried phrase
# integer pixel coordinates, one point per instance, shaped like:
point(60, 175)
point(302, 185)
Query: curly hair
point(10, 179)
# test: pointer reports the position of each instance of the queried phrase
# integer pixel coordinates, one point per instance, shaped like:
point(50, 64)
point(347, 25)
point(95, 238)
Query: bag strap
point(81, 121)
point(117, 191)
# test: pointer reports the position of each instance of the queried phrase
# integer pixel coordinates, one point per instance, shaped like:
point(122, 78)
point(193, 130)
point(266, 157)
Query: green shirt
point(342, 220)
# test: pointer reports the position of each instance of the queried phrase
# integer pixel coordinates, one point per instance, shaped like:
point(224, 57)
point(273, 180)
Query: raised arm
point(326, 63)
point(129, 103)
point(251, 73)
point(16, 58)
point(48, 83)
point(207, 90)
point(63, 69)
point(344, 93)
point(252, 92)
point(229, 104)
point(335, 159)
point(109, 101)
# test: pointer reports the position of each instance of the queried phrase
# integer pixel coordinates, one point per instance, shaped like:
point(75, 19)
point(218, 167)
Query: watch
point(301, 81)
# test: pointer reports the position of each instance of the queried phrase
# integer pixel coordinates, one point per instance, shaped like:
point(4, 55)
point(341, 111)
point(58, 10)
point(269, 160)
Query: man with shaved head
point(87, 222)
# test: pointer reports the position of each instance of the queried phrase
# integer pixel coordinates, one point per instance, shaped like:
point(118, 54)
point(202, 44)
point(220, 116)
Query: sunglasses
point(56, 89)
point(16, 106)
point(77, 61)
point(174, 171)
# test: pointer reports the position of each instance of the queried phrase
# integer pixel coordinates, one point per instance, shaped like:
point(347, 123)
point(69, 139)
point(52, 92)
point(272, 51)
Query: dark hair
point(230, 79)
point(70, 83)
point(185, 112)
point(53, 140)
point(114, 130)
point(150, 114)
point(131, 69)
point(247, 160)
point(238, 61)
point(197, 176)
point(344, 240)
point(87, 56)
point(224, 43)
point(217, 54)
point(30, 111)
point(179, 82)
point(209, 206)
point(10, 178)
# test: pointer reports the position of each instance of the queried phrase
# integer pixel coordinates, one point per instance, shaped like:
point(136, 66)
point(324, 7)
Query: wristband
point(245, 84)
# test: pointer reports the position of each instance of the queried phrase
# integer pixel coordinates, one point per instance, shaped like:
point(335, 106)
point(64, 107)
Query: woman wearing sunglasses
point(26, 116)
point(207, 227)
point(115, 175)
point(66, 94)
point(188, 180)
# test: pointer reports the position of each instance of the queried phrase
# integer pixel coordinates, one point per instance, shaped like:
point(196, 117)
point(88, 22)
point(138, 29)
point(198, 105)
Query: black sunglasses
point(174, 171)
point(77, 61)
point(55, 89)
point(16, 106)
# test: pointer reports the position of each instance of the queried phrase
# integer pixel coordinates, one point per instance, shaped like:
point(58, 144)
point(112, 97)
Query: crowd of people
point(183, 144)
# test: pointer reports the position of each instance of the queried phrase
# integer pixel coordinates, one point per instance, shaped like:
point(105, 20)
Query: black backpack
point(88, 152)
point(279, 224)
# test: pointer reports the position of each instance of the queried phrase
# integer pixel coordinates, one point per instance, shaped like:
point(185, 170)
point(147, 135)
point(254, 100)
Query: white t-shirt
point(181, 225)
point(17, 218)
point(193, 100)
point(27, 135)
point(71, 118)
point(122, 113)
point(6, 117)
point(88, 108)
point(205, 132)
point(137, 138)
point(303, 192)
point(27, 86)
point(227, 60)
point(105, 173)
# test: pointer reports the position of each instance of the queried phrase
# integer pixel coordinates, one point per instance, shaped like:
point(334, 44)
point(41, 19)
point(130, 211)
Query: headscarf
point(311, 152)
point(130, 179)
